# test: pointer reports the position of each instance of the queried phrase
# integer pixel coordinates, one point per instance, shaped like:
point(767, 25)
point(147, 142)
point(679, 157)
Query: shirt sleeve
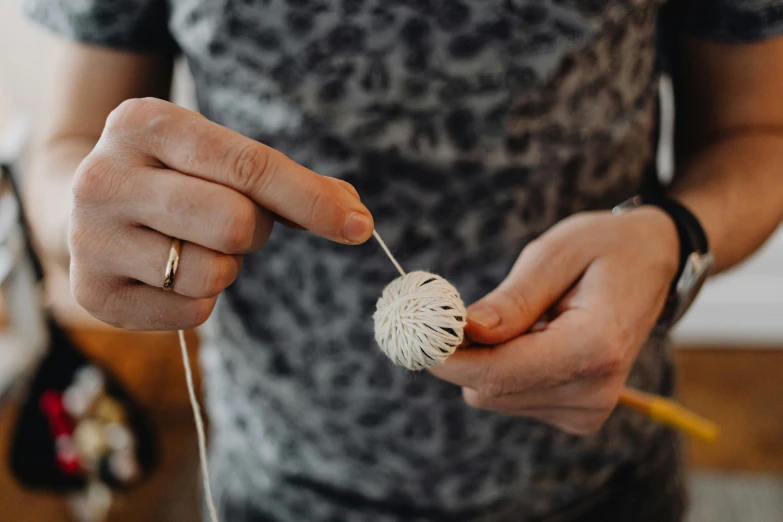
point(132, 25)
point(732, 21)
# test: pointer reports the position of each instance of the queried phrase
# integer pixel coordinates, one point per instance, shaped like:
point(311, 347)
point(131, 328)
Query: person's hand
point(159, 172)
point(602, 280)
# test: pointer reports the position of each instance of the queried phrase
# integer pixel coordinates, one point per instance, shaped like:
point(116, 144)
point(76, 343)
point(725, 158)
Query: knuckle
point(131, 112)
point(238, 230)
point(120, 115)
point(346, 186)
point(93, 294)
point(91, 179)
point(473, 399)
point(609, 360)
point(604, 354)
point(316, 204)
point(220, 275)
point(89, 239)
point(84, 293)
point(150, 115)
point(537, 249)
point(157, 122)
point(250, 164)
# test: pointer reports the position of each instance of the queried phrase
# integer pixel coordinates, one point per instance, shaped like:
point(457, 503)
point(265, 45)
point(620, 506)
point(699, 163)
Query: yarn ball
point(419, 320)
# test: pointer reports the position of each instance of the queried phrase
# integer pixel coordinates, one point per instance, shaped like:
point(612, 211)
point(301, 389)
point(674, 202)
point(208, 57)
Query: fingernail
point(484, 316)
point(357, 227)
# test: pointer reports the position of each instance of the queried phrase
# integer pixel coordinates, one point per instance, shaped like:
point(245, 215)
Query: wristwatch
point(696, 260)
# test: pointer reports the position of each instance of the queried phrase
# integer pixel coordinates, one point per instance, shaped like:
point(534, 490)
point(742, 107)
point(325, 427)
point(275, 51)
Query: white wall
point(742, 307)
point(25, 52)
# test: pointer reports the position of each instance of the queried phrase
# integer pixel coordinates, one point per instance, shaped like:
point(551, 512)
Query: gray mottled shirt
point(469, 127)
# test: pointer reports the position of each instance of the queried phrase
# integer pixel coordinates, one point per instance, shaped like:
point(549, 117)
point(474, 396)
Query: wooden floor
point(740, 389)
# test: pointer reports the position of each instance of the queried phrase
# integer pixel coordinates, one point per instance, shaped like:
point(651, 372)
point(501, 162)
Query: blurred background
point(729, 353)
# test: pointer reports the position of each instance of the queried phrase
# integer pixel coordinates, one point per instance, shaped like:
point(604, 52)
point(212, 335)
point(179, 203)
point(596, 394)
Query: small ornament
point(117, 436)
point(67, 456)
point(90, 442)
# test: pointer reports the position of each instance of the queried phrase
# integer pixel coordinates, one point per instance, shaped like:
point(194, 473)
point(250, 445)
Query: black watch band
point(691, 234)
point(696, 260)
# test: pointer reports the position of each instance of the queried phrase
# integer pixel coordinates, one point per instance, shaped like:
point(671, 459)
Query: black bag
point(34, 460)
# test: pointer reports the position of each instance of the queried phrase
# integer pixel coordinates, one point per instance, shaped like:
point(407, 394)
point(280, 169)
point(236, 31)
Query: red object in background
point(52, 404)
point(67, 456)
point(70, 467)
point(61, 429)
point(60, 426)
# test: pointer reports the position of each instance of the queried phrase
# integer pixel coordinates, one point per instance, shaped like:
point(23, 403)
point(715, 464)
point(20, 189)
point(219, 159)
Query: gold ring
point(173, 263)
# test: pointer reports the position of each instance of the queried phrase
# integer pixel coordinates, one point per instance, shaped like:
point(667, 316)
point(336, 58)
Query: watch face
point(694, 274)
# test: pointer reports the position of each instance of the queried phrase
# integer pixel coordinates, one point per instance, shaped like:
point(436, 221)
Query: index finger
point(193, 145)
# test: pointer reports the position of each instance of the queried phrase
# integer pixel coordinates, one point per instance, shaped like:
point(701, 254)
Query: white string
point(388, 252)
point(202, 439)
point(419, 319)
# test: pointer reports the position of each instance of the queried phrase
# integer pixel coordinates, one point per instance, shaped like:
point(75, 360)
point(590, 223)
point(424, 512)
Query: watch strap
point(691, 233)
point(694, 254)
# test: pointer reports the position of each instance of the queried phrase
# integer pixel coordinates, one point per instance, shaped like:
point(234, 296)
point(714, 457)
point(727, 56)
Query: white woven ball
point(419, 320)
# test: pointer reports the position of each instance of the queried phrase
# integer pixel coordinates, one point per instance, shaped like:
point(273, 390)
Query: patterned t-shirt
point(469, 127)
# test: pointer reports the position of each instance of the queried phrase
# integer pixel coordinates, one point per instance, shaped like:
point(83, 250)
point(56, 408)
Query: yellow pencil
point(657, 408)
point(670, 413)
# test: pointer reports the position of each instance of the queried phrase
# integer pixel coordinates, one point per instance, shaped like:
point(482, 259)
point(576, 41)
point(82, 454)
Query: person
point(487, 142)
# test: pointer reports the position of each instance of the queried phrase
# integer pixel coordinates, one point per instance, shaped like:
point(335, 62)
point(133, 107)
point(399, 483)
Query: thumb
point(541, 275)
